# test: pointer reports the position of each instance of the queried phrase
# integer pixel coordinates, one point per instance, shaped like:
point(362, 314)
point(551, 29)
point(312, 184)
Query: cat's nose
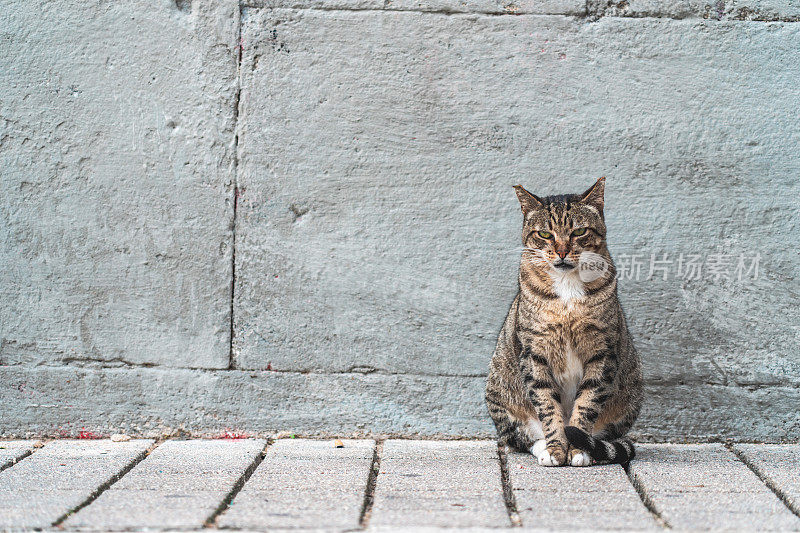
point(562, 253)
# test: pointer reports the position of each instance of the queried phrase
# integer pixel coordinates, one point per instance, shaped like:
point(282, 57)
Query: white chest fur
point(568, 285)
point(569, 380)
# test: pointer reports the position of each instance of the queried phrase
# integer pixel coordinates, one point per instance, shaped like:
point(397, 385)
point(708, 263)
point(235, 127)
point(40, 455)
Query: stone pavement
point(251, 484)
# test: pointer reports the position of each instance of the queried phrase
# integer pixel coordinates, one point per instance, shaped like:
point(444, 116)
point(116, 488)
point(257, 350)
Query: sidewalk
point(297, 483)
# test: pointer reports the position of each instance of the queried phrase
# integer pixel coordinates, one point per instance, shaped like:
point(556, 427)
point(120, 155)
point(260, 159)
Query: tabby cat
point(565, 381)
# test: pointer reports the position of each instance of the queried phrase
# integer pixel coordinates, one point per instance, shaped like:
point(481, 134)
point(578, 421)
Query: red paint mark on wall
point(232, 435)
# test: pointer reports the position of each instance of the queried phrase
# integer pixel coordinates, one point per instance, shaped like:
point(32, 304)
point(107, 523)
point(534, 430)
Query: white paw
point(545, 459)
point(538, 447)
point(581, 459)
point(539, 450)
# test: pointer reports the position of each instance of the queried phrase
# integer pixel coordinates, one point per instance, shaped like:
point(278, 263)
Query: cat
point(565, 380)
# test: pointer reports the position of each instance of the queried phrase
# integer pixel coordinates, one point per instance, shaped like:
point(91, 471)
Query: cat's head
point(561, 231)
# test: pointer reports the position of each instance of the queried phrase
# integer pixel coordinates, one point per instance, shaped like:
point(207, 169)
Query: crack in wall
point(99, 362)
point(360, 370)
point(236, 103)
point(592, 11)
point(120, 364)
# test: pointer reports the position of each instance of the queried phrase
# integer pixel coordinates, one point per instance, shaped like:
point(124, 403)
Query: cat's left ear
point(594, 195)
point(527, 200)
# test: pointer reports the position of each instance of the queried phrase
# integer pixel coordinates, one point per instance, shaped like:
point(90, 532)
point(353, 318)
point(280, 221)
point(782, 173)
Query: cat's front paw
point(578, 457)
point(553, 455)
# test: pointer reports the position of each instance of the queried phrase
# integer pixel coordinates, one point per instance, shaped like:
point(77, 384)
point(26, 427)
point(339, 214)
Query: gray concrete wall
point(298, 214)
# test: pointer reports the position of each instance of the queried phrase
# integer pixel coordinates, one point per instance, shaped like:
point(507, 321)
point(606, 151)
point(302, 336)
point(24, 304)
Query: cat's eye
point(544, 234)
point(578, 232)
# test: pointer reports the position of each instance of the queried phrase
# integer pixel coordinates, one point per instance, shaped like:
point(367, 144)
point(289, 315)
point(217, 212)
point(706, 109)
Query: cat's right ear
point(527, 201)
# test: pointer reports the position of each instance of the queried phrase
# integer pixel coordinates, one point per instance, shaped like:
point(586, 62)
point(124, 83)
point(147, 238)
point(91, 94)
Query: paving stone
point(36, 492)
point(599, 497)
point(704, 486)
point(179, 485)
point(425, 486)
point(304, 483)
point(439, 483)
point(779, 464)
point(12, 451)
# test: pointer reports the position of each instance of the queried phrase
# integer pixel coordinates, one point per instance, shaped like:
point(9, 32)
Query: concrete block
point(117, 157)
point(439, 483)
point(704, 486)
point(154, 402)
point(779, 465)
point(304, 484)
point(377, 218)
point(739, 10)
point(12, 451)
point(718, 412)
point(56, 479)
point(158, 401)
point(179, 485)
point(566, 499)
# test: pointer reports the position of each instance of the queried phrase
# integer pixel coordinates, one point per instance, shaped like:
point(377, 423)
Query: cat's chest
point(571, 330)
point(565, 336)
point(565, 347)
point(568, 377)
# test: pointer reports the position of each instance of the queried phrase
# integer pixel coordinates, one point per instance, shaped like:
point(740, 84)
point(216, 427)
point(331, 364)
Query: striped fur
point(564, 356)
point(619, 451)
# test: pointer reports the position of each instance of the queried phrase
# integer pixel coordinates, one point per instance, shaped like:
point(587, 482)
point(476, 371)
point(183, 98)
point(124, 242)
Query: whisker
point(536, 260)
point(516, 250)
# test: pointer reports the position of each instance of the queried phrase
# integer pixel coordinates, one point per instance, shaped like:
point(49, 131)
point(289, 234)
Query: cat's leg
point(539, 448)
point(543, 394)
point(510, 431)
point(606, 443)
point(593, 392)
point(620, 422)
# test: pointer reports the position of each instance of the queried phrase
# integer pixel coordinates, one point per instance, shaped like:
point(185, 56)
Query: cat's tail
point(605, 451)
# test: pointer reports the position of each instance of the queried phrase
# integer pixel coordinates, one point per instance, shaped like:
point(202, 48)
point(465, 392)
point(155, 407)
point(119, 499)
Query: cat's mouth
point(563, 265)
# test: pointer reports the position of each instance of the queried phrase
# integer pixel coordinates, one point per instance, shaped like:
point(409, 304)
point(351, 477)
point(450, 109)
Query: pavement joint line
point(645, 497)
point(764, 478)
point(14, 460)
point(107, 484)
point(372, 481)
point(211, 521)
point(508, 490)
